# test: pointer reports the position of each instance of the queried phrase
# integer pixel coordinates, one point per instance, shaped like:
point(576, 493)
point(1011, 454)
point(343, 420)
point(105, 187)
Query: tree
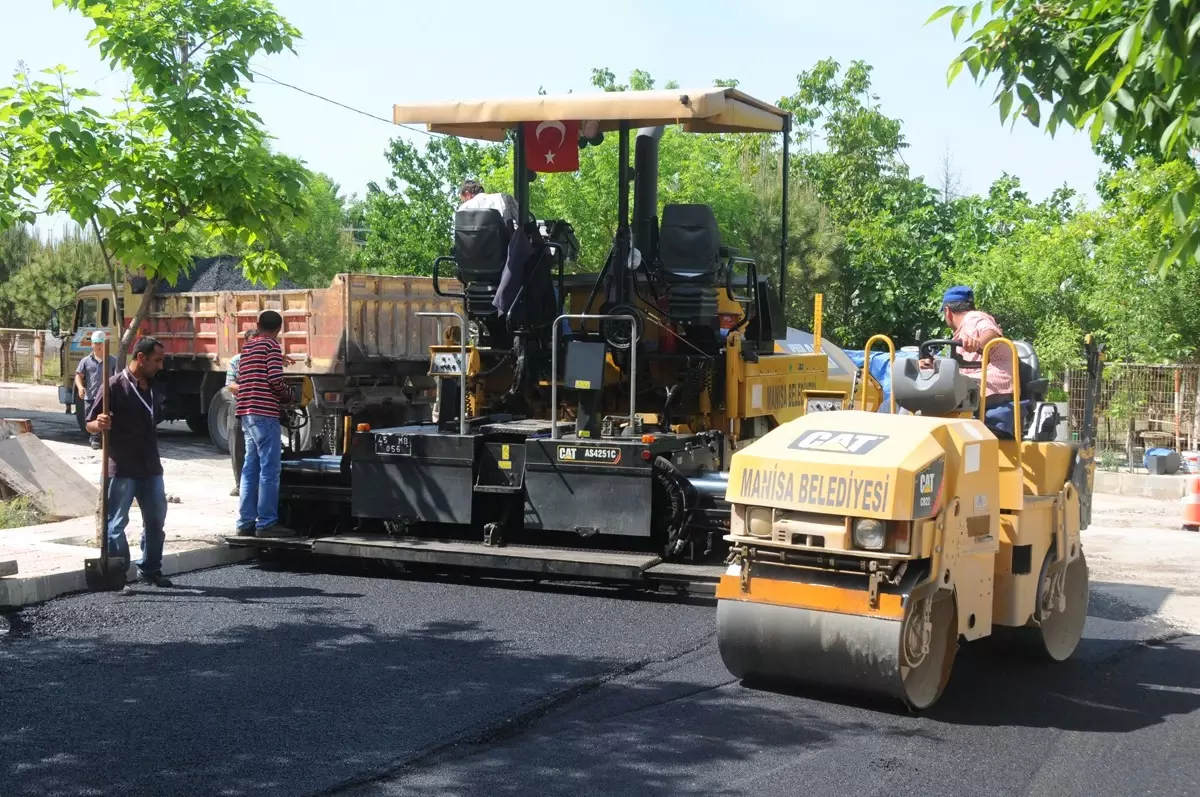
point(1051, 272)
point(411, 217)
point(892, 226)
point(950, 179)
point(321, 245)
point(182, 162)
point(1099, 65)
point(17, 245)
point(56, 270)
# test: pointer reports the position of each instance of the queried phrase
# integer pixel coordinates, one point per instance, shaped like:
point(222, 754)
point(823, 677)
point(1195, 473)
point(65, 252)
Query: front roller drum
point(909, 658)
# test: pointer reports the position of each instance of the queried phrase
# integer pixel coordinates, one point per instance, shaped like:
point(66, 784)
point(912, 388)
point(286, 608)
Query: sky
point(369, 54)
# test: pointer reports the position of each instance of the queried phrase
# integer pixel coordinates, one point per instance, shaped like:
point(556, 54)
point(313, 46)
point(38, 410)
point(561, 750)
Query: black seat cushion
point(480, 245)
point(689, 244)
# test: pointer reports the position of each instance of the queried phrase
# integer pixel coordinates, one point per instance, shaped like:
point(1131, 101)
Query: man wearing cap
point(973, 328)
point(88, 378)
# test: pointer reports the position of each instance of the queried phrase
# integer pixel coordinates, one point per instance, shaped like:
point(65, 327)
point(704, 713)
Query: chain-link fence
point(1140, 407)
point(29, 355)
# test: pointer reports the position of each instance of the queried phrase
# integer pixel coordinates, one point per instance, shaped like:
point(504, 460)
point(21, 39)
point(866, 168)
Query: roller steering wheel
point(927, 349)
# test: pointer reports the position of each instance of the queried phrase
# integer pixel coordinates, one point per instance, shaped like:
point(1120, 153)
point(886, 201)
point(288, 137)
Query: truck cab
point(96, 309)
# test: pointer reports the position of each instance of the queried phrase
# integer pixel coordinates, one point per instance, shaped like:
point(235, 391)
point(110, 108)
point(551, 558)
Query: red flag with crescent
point(552, 146)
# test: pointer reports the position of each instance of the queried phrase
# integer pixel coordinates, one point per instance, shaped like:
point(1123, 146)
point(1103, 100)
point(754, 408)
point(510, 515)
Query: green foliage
point(17, 245)
point(411, 217)
point(56, 269)
point(183, 161)
point(1052, 273)
point(1107, 66)
point(893, 228)
point(317, 245)
point(320, 246)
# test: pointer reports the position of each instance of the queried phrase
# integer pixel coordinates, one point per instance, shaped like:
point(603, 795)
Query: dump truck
point(585, 421)
point(865, 546)
point(358, 348)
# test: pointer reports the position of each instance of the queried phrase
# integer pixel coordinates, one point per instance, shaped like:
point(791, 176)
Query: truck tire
point(218, 420)
point(198, 424)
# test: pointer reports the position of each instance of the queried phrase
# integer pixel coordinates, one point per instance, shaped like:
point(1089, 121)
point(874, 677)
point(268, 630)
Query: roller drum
point(856, 653)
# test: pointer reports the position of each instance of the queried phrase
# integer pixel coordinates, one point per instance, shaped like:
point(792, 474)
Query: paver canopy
point(709, 110)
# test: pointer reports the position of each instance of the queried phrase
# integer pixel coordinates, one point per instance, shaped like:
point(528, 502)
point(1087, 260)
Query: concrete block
point(1140, 485)
point(30, 468)
point(43, 398)
point(8, 569)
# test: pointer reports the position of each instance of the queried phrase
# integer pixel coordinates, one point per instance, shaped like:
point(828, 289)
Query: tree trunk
point(136, 322)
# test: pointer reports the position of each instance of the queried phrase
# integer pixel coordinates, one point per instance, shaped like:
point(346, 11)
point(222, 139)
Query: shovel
point(106, 572)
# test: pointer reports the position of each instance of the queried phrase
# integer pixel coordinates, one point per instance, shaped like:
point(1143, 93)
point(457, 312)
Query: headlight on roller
point(869, 534)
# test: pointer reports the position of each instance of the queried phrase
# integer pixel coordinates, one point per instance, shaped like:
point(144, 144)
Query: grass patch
point(19, 512)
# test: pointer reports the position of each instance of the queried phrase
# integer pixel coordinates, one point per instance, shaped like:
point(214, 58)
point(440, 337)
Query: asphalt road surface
point(255, 680)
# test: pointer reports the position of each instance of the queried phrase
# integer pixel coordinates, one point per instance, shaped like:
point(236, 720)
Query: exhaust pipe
point(645, 191)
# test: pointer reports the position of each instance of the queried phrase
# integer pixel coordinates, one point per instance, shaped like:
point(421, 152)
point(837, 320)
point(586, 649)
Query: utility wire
point(367, 114)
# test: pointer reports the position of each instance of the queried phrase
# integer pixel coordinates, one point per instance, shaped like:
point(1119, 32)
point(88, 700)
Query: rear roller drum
point(1063, 611)
point(910, 659)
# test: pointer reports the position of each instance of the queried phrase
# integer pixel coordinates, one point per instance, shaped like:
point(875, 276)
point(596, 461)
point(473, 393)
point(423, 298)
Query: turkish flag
point(552, 146)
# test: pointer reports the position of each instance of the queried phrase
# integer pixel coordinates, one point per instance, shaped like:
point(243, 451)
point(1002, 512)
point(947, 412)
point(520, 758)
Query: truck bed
point(360, 324)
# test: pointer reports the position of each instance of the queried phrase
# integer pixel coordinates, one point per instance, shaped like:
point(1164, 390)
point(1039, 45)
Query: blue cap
point(959, 293)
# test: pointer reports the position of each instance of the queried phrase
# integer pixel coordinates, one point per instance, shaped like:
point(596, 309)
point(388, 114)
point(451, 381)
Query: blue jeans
point(1001, 419)
point(151, 496)
point(259, 489)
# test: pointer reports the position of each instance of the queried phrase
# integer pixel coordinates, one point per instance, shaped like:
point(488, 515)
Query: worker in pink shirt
point(973, 328)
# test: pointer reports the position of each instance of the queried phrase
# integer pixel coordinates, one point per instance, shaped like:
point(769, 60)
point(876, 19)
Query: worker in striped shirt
point(261, 391)
point(237, 442)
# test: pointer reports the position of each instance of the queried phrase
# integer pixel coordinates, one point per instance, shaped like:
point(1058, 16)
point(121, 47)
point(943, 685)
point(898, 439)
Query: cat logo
point(837, 442)
point(596, 455)
point(927, 483)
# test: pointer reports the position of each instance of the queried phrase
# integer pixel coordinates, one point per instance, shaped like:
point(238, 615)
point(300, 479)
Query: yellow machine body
point(965, 537)
point(773, 389)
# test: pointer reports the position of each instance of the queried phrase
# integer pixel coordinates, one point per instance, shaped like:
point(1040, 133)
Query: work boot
point(245, 531)
point(154, 579)
point(275, 531)
point(235, 492)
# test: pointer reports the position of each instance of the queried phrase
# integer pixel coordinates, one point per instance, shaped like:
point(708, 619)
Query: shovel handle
point(104, 396)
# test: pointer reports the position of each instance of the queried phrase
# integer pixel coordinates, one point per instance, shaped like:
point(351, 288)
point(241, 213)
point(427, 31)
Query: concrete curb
point(32, 397)
point(1140, 485)
point(17, 591)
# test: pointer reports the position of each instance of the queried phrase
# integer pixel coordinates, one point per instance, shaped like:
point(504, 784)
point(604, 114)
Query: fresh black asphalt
point(290, 680)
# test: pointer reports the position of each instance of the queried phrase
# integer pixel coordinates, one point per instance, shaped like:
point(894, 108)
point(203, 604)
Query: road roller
point(865, 546)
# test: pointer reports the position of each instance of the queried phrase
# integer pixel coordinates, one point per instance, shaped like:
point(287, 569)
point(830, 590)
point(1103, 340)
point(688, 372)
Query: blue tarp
point(879, 369)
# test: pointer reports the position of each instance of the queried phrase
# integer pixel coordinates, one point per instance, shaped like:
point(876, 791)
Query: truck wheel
point(218, 420)
point(198, 424)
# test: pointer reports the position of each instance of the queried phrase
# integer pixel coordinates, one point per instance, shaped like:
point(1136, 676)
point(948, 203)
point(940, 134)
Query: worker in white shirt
point(473, 197)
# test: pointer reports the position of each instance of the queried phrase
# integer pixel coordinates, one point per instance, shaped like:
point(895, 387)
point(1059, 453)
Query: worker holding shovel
point(133, 462)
